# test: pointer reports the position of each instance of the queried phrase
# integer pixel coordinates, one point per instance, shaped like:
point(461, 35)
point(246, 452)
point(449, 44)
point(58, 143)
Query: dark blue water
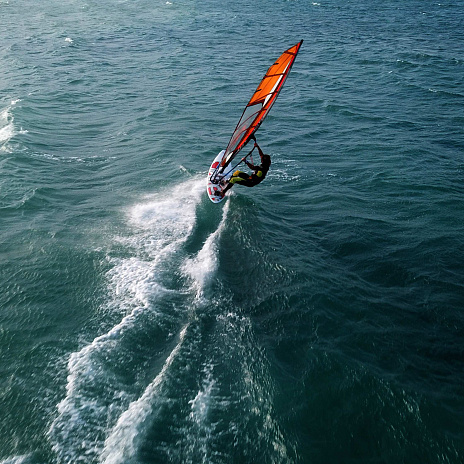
point(316, 318)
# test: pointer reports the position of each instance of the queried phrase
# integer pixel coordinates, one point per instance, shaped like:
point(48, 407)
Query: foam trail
point(95, 395)
point(7, 130)
point(121, 445)
point(16, 460)
point(201, 268)
point(253, 392)
point(201, 403)
point(202, 430)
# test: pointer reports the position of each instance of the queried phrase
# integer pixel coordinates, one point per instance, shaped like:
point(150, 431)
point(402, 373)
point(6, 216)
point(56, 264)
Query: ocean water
point(316, 318)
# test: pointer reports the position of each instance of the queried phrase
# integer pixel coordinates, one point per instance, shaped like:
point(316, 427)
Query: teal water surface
point(317, 318)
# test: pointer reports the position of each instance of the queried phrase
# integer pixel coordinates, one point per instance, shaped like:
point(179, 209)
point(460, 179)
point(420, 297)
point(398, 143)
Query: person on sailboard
point(258, 175)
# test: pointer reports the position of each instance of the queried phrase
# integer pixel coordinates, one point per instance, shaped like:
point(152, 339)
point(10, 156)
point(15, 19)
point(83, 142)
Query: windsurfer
point(242, 178)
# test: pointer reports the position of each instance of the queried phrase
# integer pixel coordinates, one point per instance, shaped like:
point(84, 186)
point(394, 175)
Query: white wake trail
point(94, 391)
point(123, 443)
point(204, 265)
point(7, 127)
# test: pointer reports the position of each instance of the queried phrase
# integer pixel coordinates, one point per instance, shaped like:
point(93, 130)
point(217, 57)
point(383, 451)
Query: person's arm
point(259, 149)
point(251, 166)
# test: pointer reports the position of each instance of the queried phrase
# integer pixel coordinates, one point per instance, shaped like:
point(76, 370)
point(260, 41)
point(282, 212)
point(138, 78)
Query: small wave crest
point(7, 127)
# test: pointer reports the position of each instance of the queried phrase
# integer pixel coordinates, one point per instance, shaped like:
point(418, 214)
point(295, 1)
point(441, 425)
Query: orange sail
point(261, 102)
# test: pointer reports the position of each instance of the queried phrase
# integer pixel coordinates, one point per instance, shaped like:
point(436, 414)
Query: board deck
point(213, 187)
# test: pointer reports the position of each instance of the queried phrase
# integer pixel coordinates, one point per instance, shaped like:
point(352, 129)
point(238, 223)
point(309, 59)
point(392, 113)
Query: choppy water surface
point(316, 318)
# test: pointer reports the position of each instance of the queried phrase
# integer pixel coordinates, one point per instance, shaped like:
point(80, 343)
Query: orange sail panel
point(261, 102)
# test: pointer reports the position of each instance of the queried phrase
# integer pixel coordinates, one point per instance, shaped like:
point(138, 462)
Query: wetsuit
point(242, 178)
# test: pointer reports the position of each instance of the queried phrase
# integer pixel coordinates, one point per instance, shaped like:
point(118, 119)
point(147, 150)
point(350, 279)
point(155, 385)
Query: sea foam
point(127, 435)
point(159, 226)
point(7, 127)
